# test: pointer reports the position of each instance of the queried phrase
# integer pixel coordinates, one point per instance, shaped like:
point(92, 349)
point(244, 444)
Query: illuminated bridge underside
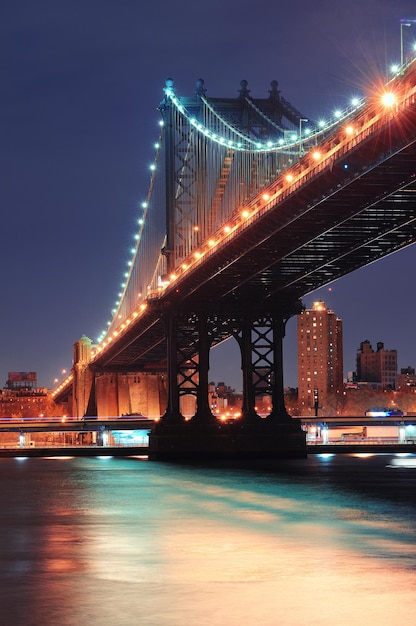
point(294, 251)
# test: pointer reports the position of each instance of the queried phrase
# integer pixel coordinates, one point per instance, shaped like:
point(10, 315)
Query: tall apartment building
point(320, 358)
point(378, 366)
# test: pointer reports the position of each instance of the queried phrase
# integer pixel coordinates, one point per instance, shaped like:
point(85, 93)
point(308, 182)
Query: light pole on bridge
point(403, 23)
point(302, 119)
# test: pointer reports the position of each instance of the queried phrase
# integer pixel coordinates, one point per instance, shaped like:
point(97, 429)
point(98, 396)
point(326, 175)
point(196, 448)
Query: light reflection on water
point(126, 541)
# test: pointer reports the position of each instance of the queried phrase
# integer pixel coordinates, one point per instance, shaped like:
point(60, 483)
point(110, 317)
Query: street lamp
point(403, 23)
point(302, 119)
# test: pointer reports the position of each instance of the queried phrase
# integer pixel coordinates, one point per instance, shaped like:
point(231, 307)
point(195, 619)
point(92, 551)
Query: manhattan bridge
point(251, 206)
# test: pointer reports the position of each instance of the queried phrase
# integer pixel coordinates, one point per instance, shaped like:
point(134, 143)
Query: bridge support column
point(172, 414)
point(260, 337)
point(261, 344)
point(188, 345)
point(279, 412)
point(203, 415)
point(246, 347)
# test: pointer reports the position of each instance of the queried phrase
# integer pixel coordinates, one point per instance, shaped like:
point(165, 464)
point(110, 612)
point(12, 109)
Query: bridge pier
point(203, 436)
point(226, 442)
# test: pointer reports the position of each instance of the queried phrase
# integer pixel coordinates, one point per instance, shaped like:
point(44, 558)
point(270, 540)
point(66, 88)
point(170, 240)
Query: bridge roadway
point(93, 424)
point(379, 445)
point(74, 424)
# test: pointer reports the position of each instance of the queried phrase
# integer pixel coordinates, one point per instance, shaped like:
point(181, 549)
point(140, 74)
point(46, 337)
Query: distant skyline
point(80, 88)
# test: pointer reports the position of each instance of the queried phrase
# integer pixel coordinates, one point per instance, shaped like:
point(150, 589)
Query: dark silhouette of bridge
point(250, 207)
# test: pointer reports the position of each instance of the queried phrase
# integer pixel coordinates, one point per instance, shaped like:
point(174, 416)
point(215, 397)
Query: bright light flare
point(388, 99)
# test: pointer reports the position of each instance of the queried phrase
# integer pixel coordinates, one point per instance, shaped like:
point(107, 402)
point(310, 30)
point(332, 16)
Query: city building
point(224, 400)
point(378, 367)
point(406, 378)
point(320, 360)
point(21, 380)
point(21, 397)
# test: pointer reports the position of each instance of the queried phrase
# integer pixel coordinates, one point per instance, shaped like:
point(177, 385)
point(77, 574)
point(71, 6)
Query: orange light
point(388, 99)
point(349, 130)
point(211, 242)
point(316, 155)
point(289, 178)
point(266, 196)
point(245, 214)
point(227, 229)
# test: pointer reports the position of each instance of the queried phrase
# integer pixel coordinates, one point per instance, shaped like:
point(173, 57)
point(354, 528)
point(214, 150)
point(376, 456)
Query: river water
point(319, 541)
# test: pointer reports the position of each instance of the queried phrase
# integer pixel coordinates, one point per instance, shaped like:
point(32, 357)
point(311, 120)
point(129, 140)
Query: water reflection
point(127, 541)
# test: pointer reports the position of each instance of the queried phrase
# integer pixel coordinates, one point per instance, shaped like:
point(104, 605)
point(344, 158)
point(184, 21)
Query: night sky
point(80, 85)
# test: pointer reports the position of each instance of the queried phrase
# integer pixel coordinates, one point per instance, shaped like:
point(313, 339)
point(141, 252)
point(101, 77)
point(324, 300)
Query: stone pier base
point(194, 442)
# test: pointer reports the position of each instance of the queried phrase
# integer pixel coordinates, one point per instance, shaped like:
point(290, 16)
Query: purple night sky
point(81, 82)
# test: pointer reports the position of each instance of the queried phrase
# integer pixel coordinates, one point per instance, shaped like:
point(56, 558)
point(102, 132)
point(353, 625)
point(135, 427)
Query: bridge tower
point(193, 327)
point(83, 401)
point(111, 392)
